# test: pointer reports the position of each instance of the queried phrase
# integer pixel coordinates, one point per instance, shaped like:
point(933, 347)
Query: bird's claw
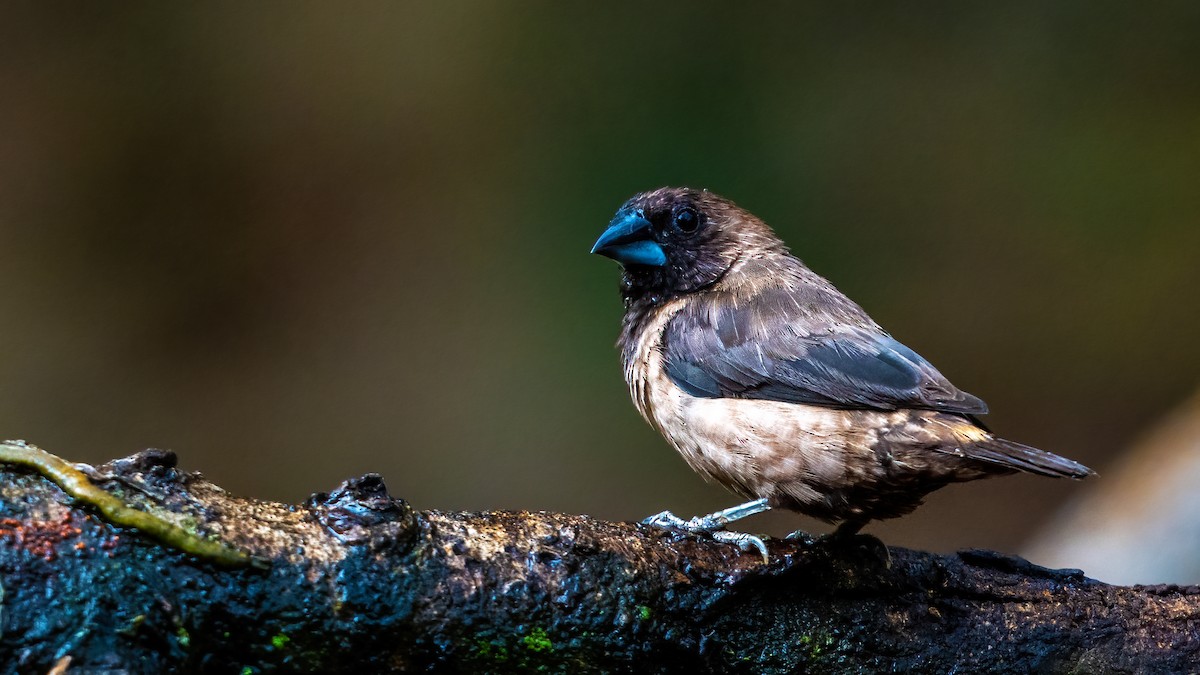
point(696, 524)
point(666, 520)
point(802, 537)
point(712, 527)
point(743, 540)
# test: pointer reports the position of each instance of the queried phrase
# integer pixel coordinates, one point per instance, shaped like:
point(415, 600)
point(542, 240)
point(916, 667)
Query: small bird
point(771, 382)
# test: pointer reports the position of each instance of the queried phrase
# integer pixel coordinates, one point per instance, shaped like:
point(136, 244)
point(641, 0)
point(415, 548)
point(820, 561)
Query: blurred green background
point(299, 242)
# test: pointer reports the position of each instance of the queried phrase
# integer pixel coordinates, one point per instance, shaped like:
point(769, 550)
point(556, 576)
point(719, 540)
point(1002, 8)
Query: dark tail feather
point(1025, 458)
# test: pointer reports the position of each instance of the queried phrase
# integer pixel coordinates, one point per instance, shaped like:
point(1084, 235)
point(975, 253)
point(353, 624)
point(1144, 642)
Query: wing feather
point(776, 346)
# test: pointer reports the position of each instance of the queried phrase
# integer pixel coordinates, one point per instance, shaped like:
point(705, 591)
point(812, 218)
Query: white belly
point(753, 447)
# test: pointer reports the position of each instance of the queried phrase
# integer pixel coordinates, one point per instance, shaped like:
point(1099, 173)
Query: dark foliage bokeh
point(299, 242)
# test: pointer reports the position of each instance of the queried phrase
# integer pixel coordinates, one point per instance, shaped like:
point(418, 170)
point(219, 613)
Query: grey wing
point(770, 347)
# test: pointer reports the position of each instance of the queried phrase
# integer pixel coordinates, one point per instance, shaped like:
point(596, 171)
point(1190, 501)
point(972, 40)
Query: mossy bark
point(357, 581)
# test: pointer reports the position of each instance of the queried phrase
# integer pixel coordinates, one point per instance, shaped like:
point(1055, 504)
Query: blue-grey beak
point(628, 241)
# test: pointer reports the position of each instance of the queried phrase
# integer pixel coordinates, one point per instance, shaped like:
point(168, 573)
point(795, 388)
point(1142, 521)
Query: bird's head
point(678, 240)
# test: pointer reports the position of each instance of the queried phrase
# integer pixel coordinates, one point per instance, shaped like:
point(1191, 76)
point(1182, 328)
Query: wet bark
point(357, 581)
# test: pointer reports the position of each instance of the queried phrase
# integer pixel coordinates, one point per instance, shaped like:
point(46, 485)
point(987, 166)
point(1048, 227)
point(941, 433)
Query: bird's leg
point(844, 532)
point(848, 529)
point(714, 525)
point(848, 533)
point(711, 522)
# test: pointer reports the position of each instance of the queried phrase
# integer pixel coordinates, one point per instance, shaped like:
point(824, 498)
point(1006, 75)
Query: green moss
point(185, 638)
point(817, 644)
point(247, 671)
point(279, 641)
point(131, 629)
point(538, 641)
point(644, 612)
point(489, 651)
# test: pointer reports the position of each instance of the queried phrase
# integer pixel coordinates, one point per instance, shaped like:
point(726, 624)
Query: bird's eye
point(686, 220)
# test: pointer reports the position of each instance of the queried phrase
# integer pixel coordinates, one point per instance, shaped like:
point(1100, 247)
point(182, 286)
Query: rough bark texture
point(357, 581)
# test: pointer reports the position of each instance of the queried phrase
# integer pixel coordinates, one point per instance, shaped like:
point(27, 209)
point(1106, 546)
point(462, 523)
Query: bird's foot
point(744, 541)
point(666, 520)
point(712, 526)
point(802, 537)
point(867, 544)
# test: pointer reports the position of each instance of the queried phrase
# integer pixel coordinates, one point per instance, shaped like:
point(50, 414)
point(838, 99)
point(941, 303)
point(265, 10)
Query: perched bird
point(770, 381)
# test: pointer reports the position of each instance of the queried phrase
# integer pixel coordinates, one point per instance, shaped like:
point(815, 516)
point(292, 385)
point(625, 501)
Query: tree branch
point(356, 581)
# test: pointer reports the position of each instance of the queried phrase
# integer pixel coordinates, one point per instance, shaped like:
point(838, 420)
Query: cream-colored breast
point(751, 446)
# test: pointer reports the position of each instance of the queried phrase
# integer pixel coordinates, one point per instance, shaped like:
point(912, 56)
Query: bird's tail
point(1024, 458)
